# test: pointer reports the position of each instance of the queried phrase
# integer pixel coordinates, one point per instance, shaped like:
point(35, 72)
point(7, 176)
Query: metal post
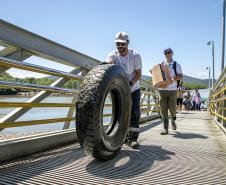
point(223, 37)
point(212, 44)
point(213, 63)
point(209, 78)
point(224, 111)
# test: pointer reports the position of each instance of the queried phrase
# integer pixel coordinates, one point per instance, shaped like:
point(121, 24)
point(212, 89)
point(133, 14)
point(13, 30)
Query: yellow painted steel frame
point(34, 122)
point(217, 99)
point(55, 52)
point(30, 105)
point(48, 105)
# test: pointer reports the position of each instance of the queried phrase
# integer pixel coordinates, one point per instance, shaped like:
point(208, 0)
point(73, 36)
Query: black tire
point(93, 137)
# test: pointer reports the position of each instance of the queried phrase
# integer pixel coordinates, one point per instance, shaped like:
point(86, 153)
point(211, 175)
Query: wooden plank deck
point(194, 154)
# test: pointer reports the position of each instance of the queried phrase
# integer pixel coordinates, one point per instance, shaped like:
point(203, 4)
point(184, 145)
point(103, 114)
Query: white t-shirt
point(132, 61)
point(172, 86)
point(194, 95)
point(180, 92)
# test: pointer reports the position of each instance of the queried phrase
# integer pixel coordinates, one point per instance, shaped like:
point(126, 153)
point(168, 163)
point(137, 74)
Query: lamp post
point(208, 68)
point(223, 37)
point(212, 44)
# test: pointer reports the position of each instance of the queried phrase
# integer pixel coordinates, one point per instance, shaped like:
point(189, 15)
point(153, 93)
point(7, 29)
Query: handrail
point(34, 122)
point(36, 68)
point(217, 100)
point(220, 79)
point(30, 105)
point(26, 43)
point(25, 104)
point(219, 91)
point(42, 47)
point(34, 87)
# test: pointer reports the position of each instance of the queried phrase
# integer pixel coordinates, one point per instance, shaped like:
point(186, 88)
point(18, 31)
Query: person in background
point(131, 63)
point(168, 94)
point(197, 101)
point(180, 96)
point(187, 98)
point(187, 101)
point(193, 99)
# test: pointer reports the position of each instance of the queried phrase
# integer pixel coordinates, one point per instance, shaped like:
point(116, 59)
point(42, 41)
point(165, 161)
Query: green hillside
point(189, 82)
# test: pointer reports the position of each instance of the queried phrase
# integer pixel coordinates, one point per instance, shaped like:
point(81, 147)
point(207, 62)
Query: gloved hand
point(103, 63)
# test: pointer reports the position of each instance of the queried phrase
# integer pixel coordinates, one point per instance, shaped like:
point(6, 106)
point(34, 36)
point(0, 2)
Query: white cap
point(121, 37)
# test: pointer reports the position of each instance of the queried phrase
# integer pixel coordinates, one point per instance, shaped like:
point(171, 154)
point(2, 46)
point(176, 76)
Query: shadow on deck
point(194, 154)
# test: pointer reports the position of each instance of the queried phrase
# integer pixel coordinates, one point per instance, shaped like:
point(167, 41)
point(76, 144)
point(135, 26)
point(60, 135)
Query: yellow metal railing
point(19, 44)
point(217, 99)
point(147, 107)
point(144, 108)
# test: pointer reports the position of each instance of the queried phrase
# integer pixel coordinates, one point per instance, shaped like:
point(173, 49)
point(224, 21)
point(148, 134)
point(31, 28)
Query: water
point(42, 113)
point(48, 113)
point(37, 114)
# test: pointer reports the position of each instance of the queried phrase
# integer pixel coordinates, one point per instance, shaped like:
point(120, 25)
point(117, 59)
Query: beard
point(121, 49)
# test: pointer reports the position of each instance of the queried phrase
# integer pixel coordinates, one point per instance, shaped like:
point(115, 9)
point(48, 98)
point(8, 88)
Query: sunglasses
point(166, 53)
point(120, 44)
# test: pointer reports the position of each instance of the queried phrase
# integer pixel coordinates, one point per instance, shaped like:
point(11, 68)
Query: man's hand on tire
point(103, 63)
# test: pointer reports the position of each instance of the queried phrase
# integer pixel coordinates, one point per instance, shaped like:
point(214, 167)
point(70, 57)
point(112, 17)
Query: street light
point(212, 44)
point(223, 37)
point(208, 68)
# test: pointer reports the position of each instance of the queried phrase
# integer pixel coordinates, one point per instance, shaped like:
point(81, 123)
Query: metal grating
point(195, 154)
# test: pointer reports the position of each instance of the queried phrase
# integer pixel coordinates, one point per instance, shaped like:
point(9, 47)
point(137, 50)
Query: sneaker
point(165, 132)
point(174, 126)
point(134, 145)
point(128, 142)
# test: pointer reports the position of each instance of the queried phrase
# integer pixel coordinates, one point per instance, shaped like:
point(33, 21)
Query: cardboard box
point(161, 76)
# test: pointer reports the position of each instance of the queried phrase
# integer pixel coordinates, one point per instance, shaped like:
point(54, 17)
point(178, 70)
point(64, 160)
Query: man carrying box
point(168, 93)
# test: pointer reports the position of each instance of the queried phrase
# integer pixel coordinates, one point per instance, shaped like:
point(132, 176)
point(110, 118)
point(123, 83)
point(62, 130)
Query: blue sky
point(89, 26)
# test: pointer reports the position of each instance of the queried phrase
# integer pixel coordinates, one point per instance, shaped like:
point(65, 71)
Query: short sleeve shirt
point(172, 86)
point(180, 92)
point(194, 95)
point(131, 62)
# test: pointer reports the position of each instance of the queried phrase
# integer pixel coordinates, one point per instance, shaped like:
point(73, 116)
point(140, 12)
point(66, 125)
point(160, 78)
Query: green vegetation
point(72, 84)
point(190, 86)
point(189, 82)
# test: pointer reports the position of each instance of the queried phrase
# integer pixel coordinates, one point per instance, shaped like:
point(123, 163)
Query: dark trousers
point(135, 116)
point(197, 106)
point(193, 105)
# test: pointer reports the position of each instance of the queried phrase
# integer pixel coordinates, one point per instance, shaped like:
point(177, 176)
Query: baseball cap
point(121, 37)
point(168, 50)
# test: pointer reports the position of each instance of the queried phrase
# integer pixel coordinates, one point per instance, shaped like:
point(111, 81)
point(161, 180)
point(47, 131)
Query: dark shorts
point(179, 101)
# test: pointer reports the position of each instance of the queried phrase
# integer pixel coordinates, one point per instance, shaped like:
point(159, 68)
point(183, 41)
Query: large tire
point(93, 137)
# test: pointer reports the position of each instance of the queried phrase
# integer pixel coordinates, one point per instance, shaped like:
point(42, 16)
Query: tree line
point(71, 84)
point(190, 86)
